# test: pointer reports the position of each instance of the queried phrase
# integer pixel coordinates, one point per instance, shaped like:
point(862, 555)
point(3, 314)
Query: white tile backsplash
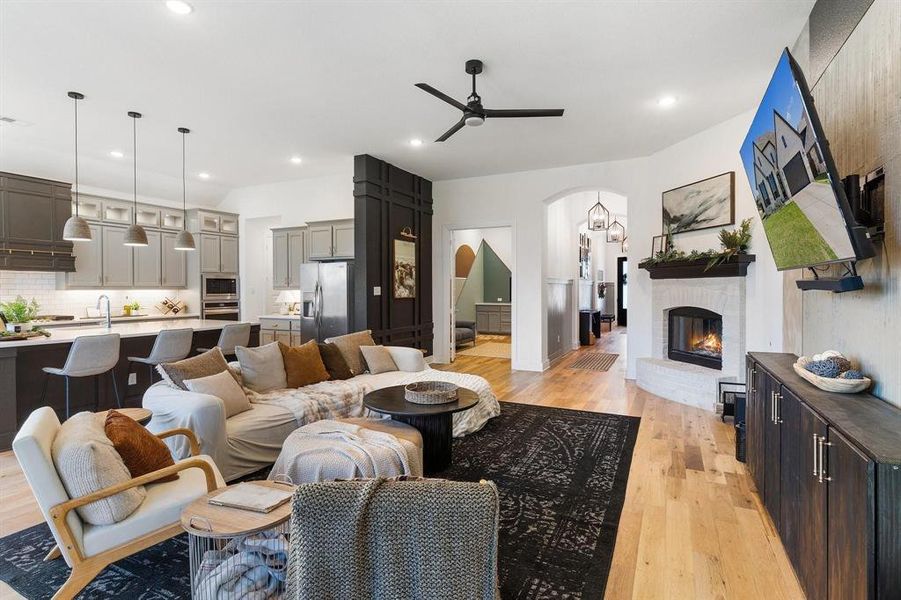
point(43, 288)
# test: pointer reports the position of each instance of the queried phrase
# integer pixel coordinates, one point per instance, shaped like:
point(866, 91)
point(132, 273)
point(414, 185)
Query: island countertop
point(63, 335)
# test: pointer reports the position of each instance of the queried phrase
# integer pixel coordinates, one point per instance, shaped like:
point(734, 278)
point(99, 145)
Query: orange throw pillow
point(141, 451)
point(303, 364)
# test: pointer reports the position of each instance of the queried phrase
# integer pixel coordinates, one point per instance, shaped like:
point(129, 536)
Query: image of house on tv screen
point(785, 166)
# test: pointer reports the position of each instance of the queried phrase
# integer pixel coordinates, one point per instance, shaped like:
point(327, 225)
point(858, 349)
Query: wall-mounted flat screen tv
point(798, 193)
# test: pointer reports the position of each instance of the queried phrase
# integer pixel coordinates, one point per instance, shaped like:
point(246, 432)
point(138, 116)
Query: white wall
point(284, 204)
point(521, 200)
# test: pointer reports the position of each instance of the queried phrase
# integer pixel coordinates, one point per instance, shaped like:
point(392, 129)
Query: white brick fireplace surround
point(683, 382)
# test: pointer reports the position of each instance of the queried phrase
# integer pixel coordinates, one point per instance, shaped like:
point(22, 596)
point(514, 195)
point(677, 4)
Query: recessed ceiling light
point(296, 160)
point(666, 101)
point(416, 142)
point(117, 154)
point(203, 175)
point(179, 7)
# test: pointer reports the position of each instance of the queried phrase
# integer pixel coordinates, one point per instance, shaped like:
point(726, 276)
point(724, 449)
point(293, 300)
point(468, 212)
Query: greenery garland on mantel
point(732, 243)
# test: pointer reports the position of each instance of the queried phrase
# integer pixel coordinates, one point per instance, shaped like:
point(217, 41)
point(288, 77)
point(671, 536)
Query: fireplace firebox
point(696, 336)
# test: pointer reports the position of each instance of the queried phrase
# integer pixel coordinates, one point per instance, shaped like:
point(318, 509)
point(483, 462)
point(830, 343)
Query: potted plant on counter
point(19, 314)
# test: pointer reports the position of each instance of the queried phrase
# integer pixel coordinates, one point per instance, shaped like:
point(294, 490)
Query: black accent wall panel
point(386, 200)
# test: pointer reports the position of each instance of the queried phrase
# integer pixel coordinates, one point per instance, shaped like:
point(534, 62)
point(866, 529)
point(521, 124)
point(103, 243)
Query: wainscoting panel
point(559, 318)
point(386, 200)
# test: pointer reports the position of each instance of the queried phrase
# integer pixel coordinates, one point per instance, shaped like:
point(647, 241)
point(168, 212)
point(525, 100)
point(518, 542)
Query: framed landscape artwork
point(700, 205)
point(404, 269)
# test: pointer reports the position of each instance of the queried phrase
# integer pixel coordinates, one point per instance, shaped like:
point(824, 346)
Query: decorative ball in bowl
point(832, 372)
point(430, 392)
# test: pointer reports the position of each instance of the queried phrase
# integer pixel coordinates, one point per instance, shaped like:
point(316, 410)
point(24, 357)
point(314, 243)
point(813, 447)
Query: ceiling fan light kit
point(76, 228)
point(474, 114)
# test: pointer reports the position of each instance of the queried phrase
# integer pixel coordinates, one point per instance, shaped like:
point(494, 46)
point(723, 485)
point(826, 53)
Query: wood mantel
point(736, 266)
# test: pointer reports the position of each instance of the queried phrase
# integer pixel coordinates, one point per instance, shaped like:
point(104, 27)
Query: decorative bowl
point(830, 384)
point(430, 392)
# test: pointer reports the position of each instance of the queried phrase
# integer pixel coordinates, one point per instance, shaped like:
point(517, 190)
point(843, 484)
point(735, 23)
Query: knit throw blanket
point(324, 400)
point(387, 539)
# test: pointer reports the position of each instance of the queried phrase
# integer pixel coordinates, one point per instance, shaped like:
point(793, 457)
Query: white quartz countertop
point(64, 335)
point(283, 317)
point(87, 321)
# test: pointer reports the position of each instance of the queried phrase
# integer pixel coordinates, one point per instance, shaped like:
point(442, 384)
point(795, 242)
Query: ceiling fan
point(474, 114)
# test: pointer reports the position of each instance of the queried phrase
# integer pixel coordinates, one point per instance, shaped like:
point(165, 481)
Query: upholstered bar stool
point(170, 345)
point(89, 356)
point(237, 334)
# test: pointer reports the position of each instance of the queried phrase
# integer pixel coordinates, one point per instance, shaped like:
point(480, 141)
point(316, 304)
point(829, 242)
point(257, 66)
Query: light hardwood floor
point(692, 526)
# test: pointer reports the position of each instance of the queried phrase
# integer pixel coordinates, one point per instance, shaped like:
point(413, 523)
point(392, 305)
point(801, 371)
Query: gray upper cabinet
point(174, 263)
point(117, 211)
point(148, 262)
point(297, 255)
point(118, 259)
point(289, 251)
point(209, 253)
point(207, 222)
point(332, 239)
point(88, 261)
point(228, 254)
point(280, 259)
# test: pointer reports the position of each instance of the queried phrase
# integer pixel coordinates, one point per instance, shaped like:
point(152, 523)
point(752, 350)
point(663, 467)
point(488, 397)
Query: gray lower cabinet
point(228, 254)
point(118, 259)
point(148, 262)
point(174, 263)
point(493, 318)
point(88, 261)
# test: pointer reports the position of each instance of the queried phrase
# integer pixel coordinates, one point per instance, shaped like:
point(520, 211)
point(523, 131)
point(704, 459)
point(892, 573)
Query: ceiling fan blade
point(457, 126)
point(441, 95)
point(524, 112)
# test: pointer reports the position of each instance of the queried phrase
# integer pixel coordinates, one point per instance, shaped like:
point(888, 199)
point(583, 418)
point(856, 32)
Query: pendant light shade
point(598, 216)
point(76, 229)
point(184, 241)
point(616, 233)
point(135, 235)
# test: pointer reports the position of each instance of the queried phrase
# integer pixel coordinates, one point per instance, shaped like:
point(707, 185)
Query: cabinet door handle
point(816, 455)
point(823, 478)
point(777, 409)
point(772, 407)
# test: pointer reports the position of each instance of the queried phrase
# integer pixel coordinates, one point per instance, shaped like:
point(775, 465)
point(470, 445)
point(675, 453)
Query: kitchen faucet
point(109, 318)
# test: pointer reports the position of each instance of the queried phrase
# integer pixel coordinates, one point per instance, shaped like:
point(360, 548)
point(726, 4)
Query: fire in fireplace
point(696, 336)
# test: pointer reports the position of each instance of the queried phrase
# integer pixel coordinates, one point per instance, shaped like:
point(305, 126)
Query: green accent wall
point(488, 280)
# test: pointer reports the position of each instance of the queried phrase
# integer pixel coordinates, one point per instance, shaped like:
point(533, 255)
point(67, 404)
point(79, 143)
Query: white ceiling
point(260, 81)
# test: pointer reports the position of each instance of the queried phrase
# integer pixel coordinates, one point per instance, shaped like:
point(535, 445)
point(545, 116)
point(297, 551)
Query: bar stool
point(90, 355)
point(170, 345)
point(231, 336)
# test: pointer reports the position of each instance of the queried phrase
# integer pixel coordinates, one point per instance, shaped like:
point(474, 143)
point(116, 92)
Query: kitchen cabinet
point(288, 253)
point(297, 255)
point(279, 259)
point(493, 318)
point(172, 218)
point(280, 328)
point(209, 253)
point(331, 240)
point(118, 259)
point(88, 261)
point(173, 263)
point(828, 468)
point(117, 211)
point(148, 216)
point(207, 222)
point(148, 262)
point(228, 254)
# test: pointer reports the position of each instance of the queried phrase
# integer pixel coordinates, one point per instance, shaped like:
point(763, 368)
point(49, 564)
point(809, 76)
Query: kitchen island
point(21, 377)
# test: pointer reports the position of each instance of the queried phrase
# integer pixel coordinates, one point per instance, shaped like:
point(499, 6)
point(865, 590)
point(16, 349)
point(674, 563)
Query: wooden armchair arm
point(192, 439)
point(59, 512)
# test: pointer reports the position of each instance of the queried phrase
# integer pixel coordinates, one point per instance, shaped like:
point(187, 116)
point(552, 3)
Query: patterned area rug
point(562, 477)
point(489, 349)
point(594, 361)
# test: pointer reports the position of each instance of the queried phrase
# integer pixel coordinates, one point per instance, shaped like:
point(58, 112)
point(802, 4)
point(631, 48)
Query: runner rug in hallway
point(594, 361)
point(562, 477)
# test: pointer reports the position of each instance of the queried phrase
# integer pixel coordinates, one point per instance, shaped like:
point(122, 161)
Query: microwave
point(219, 286)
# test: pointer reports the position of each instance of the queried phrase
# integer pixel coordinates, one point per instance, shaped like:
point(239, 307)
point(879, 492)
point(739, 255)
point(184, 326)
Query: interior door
point(810, 564)
point(622, 290)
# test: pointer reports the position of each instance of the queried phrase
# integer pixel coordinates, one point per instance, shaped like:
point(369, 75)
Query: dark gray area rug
point(562, 478)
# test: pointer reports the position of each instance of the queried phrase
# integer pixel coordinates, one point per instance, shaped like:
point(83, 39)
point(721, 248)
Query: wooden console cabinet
point(828, 469)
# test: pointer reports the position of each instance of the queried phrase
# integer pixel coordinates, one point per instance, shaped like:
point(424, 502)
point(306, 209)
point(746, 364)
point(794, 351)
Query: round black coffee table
point(434, 421)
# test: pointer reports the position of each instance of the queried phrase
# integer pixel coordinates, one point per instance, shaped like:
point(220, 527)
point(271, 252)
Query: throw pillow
point(87, 462)
point(222, 386)
point(303, 365)
point(349, 346)
point(141, 451)
point(262, 368)
point(334, 362)
point(202, 365)
point(378, 359)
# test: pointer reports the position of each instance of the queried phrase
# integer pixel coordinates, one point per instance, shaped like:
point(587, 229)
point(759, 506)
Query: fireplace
point(696, 336)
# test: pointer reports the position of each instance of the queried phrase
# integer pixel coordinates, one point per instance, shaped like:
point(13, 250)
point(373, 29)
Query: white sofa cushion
point(407, 359)
point(254, 438)
point(223, 386)
point(378, 359)
point(262, 368)
point(162, 507)
point(87, 462)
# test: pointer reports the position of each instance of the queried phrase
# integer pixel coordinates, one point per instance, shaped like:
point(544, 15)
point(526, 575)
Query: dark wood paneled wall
point(387, 199)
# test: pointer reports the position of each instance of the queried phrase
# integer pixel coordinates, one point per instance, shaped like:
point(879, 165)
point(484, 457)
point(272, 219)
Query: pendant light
point(76, 229)
point(616, 233)
point(135, 234)
point(598, 216)
point(184, 240)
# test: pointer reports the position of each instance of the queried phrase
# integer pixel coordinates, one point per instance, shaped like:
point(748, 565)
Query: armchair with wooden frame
point(86, 548)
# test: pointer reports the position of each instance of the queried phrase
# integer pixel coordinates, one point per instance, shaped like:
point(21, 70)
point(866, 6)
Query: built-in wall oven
point(221, 310)
point(220, 297)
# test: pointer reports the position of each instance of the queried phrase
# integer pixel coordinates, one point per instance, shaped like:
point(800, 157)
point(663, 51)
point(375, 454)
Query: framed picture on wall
point(404, 269)
point(700, 205)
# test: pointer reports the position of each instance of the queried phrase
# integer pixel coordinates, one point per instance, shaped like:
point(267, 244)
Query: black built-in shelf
point(737, 266)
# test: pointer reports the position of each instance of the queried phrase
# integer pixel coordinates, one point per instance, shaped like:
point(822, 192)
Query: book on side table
point(251, 496)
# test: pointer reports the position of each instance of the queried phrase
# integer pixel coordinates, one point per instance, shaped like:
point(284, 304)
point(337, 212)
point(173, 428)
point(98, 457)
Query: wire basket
point(430, 392)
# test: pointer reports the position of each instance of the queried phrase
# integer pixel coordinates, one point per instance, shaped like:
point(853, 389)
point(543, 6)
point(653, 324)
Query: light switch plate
point(132, 379)
point(377, 290)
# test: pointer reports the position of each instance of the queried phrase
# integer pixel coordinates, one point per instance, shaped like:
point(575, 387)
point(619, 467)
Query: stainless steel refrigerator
point(327, 299)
